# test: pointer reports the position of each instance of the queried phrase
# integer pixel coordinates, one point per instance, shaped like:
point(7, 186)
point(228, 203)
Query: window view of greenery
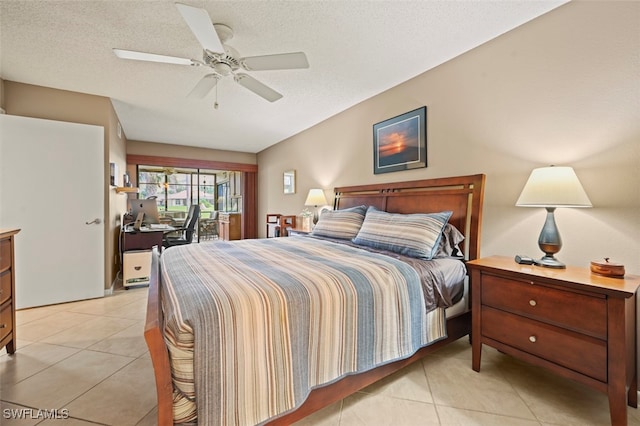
point(176, 189)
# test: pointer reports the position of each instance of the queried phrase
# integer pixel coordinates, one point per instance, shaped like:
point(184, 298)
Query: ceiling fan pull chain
point(215, 104)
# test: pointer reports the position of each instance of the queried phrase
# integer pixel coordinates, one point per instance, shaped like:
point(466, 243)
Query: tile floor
point(89, 361)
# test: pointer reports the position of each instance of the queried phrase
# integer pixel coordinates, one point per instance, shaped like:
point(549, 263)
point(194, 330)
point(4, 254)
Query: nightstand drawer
point(587, 314)
point(578, 352)
point(5, 286)
point(6, 320)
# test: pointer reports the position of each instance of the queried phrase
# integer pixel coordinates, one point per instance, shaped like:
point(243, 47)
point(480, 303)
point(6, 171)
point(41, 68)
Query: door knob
point(97, 221)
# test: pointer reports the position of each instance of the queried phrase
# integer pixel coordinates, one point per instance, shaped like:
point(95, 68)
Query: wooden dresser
point(229, 225)
point(577, 324)
point(7, 290)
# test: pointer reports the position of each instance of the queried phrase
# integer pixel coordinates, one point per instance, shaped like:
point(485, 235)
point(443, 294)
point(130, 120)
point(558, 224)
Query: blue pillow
point(343, 224)
point(415, 235)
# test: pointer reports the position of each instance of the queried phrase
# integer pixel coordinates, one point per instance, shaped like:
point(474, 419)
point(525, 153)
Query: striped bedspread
point(254, 325)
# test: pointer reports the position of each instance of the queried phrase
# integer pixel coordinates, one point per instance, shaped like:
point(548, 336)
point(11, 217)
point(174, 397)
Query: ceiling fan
point(224, 60)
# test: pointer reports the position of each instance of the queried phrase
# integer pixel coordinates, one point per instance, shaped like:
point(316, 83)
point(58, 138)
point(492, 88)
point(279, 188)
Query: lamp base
point(550, 262)
point(550, 242)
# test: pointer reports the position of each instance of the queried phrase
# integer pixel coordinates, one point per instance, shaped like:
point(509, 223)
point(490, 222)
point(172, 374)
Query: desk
point(144, 239)
point(135, 253)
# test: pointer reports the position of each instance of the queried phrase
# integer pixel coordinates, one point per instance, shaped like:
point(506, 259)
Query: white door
point(51, 186)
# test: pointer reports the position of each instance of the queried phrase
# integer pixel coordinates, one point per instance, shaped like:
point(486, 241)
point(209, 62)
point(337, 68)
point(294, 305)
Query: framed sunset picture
point(400, 143)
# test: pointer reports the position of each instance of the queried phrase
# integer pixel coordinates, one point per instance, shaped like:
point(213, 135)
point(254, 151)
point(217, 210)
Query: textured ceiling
point(356, 49)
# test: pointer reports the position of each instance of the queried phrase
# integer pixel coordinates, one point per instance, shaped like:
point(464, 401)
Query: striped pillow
point(415, 235)
point(343, 224)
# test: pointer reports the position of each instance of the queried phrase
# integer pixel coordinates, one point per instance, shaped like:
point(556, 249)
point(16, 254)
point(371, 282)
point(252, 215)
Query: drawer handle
point(532, 339)
point(3, 325)
point(137, 268)
point(532, 302)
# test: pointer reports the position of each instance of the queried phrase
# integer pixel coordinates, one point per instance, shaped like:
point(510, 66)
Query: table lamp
point(552, 187)
point(315, 198)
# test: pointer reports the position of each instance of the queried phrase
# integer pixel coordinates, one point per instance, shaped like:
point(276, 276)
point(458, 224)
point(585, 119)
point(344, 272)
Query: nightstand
point(577, 324)
point(278, 225)
point(296, 232)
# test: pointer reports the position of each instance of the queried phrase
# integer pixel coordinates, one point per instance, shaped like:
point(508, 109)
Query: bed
point(281, 346)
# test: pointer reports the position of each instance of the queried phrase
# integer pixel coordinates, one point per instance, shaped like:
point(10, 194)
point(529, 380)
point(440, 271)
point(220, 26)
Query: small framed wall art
point(290, 182)
point(400, 143)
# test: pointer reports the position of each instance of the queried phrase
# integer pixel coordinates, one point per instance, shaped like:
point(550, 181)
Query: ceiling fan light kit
point(224, 60)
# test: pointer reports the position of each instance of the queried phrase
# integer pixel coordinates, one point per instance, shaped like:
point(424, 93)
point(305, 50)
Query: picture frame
point(289, 182)
point(400, 143)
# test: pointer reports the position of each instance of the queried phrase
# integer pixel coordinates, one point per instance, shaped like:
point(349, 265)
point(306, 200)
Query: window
point(177, 189)
point(207, 193)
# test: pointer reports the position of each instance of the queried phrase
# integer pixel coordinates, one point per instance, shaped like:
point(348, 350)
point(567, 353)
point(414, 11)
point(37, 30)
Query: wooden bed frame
point(463, 195)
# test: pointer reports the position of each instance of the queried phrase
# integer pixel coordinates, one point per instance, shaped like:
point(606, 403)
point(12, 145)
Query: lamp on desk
point(315, 198)
point(552, 187)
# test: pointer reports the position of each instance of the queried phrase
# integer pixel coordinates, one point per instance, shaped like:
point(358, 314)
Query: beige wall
point(43, 102)
point(562, 89)
point(117, 203)
point(189, 152)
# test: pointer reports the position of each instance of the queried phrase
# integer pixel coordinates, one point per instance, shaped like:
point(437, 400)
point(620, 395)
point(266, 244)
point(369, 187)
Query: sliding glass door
point(177, 189)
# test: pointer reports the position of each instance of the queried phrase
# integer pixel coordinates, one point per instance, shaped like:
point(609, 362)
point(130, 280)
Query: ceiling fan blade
point(281, 61)
point(151, 57)
point(200, 23)
point(204, 86)
point(256, 87)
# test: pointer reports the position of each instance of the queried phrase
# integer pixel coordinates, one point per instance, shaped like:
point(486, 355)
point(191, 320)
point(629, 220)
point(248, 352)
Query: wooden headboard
point(463, 195)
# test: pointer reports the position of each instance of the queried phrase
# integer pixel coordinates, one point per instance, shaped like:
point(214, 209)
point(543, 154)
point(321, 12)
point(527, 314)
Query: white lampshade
point(553, 187)
point(315, 198)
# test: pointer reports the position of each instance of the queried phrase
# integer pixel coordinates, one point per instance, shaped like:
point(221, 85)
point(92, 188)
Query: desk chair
point(168, 221)
point(185, 232)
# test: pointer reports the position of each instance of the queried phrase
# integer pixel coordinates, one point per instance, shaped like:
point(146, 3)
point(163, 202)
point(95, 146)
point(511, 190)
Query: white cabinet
point(136, 267)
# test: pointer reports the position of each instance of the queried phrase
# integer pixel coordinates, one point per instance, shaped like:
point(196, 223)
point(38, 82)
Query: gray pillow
point(448, 246)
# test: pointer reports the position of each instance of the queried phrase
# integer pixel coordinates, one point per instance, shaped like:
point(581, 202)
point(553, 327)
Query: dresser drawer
point(5, 254)
point(6, 319)
point(5, 286)
point(575, 351)
point(587, 314)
